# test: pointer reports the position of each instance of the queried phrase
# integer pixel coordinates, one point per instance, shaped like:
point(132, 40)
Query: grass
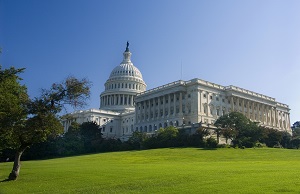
point(186, 170)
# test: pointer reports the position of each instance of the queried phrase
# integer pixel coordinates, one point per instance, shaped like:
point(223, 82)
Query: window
point(210, 97)
point(189, 95)
point(204, 95)
point(217, 99)
point(111, 130)
point(103, 129)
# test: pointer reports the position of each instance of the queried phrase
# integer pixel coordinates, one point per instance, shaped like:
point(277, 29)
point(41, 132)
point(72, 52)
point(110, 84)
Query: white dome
point(124, 82)
point(127, 70)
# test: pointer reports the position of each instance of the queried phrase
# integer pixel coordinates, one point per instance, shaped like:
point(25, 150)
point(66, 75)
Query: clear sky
point(252, 44)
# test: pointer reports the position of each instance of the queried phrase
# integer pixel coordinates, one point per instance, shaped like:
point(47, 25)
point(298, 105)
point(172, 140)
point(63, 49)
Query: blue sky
point(250, 44)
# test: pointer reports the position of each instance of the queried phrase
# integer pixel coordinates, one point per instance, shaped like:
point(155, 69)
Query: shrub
point(211, 142)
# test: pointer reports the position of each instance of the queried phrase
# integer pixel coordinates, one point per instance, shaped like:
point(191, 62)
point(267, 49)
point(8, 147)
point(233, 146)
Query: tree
point(91, 136)
point(296, 129)
point(137, 139)
point(13, 98)
point(241, 130)
point(71, 142)
point(27, 121)
point(197, 139)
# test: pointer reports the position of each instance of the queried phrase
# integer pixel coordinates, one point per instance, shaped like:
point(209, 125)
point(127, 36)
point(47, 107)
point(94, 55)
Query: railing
point(179, 82)
point(235, 88)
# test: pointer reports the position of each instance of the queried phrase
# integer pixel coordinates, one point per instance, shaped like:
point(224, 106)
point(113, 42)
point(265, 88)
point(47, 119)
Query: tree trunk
point(17, 164)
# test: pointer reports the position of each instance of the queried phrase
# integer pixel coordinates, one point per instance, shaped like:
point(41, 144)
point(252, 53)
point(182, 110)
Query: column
point(272, 116)
point(158, 102)
point(149, 109)
point(288, 117)
point(253, 113)
point(169, 101)
point(199, 102)
point(180, 102)
point(231, 102)
point(262, 113)
point(174, 104)
point(248, 109)
point(145, 107)
point(257, 112)
point(286, 122)
point(268, 115)
point(276, 118)
point(136, 113)
point(164, 105)
point(238, 104)
point(281, 117)
point(154, 107)
point(243, 106)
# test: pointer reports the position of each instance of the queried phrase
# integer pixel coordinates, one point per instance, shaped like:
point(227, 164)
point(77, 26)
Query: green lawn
point(186, 170)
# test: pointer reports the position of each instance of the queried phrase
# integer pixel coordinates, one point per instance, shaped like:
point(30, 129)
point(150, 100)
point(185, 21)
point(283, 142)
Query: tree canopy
point(25, 121)
point(237, 127)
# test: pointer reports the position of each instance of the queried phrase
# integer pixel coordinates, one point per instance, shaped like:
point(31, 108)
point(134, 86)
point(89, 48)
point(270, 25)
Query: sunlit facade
point(126, 105)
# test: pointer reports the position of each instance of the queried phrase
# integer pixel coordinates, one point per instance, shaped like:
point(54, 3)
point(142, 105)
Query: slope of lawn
point(185, 170)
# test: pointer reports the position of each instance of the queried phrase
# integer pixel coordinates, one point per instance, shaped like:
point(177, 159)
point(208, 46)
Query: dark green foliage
point(24, 121)
point(91, 136)
point(13, 100)
point(136, 140)
point(211, 143)
point(296, 129)
point(239, 129)
point(71, 143)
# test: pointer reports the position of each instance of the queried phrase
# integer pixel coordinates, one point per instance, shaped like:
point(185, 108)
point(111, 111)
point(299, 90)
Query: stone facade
point(197, 101)
point(126, 105)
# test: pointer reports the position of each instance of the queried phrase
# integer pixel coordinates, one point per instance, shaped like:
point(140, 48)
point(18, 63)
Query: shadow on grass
point(207, 148)
point(5, 180)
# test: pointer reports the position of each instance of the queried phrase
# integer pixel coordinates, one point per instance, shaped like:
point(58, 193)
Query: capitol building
point(126, 105)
